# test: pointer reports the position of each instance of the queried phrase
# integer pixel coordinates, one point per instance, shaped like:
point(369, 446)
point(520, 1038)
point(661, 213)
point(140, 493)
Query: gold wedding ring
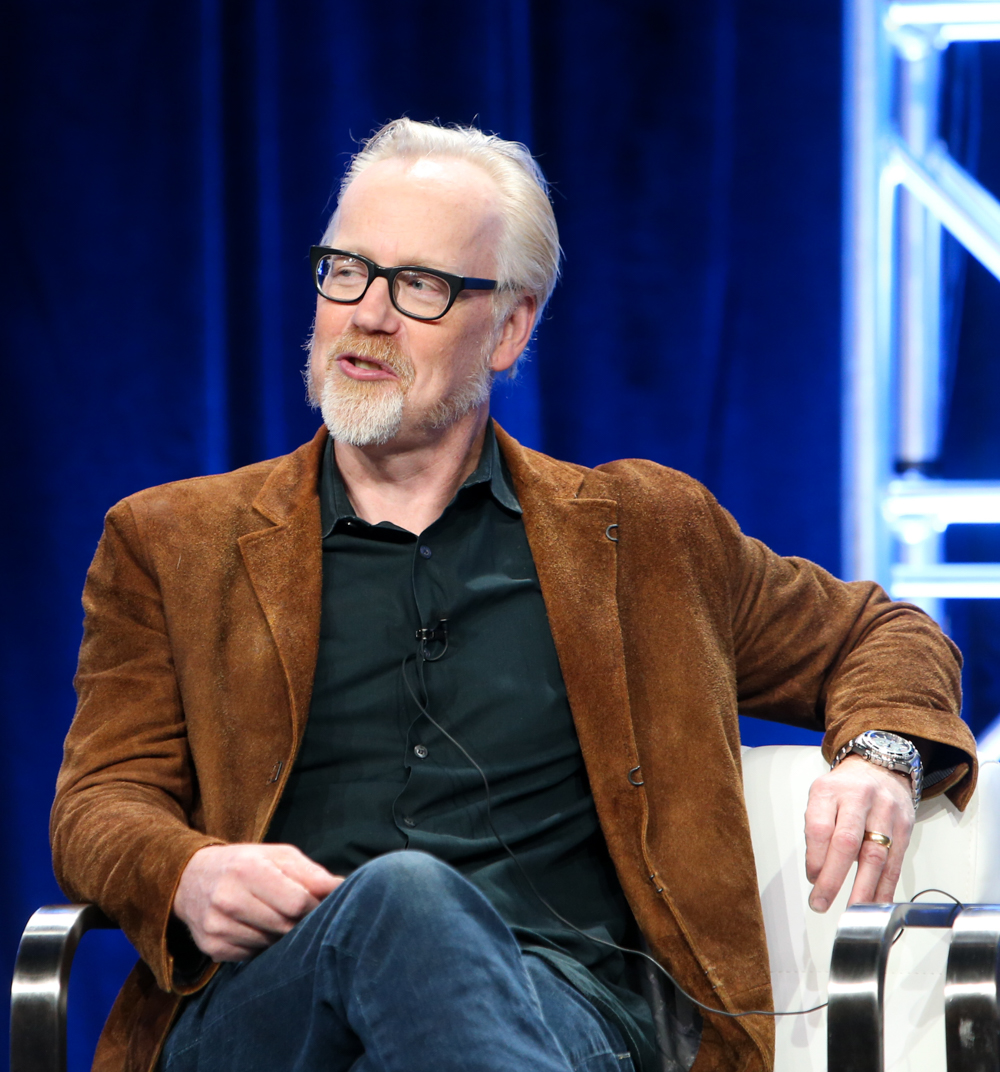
point(880, 839)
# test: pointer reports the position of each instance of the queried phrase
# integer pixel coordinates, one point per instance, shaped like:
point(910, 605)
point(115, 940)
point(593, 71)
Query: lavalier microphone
point(431, 634)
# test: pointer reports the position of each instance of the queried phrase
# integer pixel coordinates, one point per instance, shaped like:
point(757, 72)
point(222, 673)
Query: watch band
point(878, 746)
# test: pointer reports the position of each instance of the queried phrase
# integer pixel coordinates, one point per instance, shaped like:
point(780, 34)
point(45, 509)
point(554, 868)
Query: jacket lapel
point(284, 562)
point(568, 521)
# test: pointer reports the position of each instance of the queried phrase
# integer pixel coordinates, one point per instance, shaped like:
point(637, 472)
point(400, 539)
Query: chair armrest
point(41, 979)
point(855, 1037)
point(971, 1015)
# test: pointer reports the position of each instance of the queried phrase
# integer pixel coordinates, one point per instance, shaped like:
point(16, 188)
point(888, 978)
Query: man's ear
point(515, 334)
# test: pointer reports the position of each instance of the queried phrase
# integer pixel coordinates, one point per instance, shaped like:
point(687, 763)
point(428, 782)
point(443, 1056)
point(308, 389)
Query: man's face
point(381, 375)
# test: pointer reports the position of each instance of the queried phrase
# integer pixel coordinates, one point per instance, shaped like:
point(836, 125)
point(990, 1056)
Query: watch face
point(897, 747)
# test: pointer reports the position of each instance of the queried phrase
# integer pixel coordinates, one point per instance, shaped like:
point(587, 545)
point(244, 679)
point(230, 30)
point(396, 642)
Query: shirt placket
point(430, 650)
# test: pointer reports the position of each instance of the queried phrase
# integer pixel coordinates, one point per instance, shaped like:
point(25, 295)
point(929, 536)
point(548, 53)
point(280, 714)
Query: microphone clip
point(428, 635)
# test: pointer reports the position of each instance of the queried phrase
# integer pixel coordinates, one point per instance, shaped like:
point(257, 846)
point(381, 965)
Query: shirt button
point(425, 550)
point(407, 821)
point(420, 751)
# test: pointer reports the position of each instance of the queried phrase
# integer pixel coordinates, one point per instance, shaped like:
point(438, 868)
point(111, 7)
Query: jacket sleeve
point(842, 657)
point(122, 823)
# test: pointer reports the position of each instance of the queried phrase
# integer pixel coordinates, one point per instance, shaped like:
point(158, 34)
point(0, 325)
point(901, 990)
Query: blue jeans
point(406, 967)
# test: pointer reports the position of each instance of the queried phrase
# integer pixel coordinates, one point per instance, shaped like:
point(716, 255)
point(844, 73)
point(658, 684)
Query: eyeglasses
point(422, 293)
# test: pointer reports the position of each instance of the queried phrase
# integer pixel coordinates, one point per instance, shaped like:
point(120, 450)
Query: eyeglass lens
point(419, 293)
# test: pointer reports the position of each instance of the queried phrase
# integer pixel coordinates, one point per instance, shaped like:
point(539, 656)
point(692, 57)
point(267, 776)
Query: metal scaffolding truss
point(901, 188)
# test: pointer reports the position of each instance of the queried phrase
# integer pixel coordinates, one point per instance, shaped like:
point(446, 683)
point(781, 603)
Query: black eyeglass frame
point(456, 283)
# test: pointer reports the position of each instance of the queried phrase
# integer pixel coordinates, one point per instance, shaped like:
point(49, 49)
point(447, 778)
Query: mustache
point(381, 348)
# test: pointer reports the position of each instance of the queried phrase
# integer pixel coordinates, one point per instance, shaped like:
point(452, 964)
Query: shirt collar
point(336, 506)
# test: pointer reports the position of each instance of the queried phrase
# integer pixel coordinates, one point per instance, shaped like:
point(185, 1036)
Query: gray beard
point(361, 414)
point(371, 414)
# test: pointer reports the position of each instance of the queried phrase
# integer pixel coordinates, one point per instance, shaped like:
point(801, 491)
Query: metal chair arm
point(856, 993)
point(971, 1017)
point(41, 979)
point(857, 979)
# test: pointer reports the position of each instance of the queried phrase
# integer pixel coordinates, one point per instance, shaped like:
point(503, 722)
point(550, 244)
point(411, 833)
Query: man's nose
point(375, 311)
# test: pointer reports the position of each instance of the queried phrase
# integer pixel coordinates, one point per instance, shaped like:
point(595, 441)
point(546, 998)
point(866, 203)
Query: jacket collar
point(293, 483)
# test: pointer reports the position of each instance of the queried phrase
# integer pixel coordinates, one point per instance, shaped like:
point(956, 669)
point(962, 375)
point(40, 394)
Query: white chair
point(950, 851)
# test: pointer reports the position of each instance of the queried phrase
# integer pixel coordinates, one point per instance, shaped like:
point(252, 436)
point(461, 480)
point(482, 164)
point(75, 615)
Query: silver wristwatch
point(888, 750)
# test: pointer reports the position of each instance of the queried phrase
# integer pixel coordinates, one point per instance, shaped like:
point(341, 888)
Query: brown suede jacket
point(202, 624)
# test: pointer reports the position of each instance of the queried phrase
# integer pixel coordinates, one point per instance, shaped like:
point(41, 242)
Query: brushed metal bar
point(855, 1015)
point(971, 1014)
point(41, 978)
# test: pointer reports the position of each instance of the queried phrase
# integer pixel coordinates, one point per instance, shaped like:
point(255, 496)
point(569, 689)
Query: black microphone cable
point(527, 878)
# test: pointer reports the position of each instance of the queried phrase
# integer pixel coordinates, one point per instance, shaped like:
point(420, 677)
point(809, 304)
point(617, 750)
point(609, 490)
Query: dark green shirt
point(374, 775)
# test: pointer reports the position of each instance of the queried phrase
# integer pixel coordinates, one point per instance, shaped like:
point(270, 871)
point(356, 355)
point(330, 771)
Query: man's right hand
point(239, 899)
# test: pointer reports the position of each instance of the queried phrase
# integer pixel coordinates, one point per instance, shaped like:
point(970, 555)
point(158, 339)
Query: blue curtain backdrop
point(166, 166)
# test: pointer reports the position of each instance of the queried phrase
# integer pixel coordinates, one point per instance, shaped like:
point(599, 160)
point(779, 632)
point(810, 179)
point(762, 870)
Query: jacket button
point(420, 751)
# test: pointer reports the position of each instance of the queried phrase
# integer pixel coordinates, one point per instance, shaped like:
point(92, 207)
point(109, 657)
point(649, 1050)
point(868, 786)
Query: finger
point(902, 828)
point(845, 844)
point(260, 896)
point(286, 897)
point(260, 874)
point(221, 948)
point(872, 861)
point(219, 927)
point(226, 953)
point(879, 866)
point(821, 820)
point(297, 866)
point(885, 890)
point(224, 938)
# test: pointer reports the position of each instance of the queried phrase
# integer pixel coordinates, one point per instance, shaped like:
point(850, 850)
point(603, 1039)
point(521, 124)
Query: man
point(413, 634)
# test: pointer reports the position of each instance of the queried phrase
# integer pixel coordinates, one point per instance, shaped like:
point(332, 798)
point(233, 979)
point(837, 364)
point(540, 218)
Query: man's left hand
point(855, 797)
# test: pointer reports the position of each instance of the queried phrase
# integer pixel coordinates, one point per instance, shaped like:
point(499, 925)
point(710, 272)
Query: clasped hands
point(238, 899)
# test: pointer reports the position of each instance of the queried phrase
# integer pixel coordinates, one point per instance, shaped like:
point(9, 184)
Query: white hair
point(528, 250)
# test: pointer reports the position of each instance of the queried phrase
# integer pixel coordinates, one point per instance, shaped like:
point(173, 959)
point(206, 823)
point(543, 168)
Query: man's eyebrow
point(417, 262)
point(424, 262)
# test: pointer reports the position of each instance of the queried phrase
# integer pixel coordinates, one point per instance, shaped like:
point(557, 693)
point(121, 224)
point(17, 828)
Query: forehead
point(435, 211)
